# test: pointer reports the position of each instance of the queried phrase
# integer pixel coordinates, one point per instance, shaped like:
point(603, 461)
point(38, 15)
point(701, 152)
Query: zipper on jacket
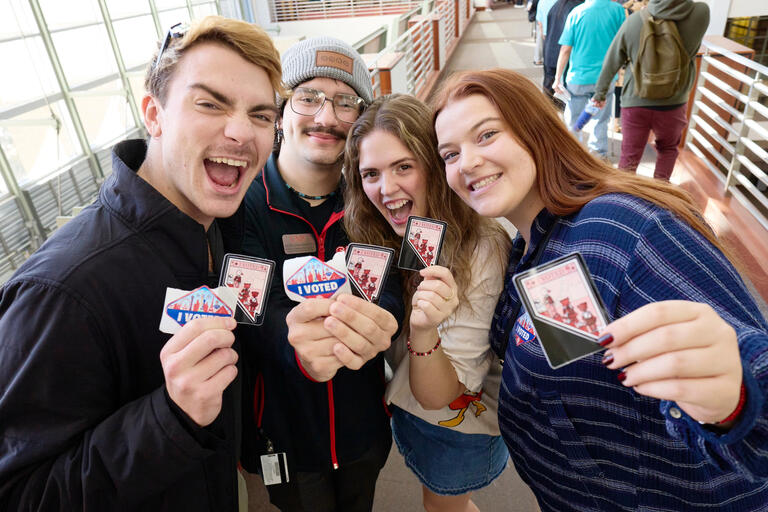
point(320, 238)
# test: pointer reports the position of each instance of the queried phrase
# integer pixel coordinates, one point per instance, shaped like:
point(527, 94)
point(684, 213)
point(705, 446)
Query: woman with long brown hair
point(444, 389)
point(672, 416)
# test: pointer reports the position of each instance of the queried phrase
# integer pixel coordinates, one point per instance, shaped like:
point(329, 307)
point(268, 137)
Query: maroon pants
point(667, 126)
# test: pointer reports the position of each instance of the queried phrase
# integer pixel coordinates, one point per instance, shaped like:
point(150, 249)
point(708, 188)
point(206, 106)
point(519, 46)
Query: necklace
point(307, 196)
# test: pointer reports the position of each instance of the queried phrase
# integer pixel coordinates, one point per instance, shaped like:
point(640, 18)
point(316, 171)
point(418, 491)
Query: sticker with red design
point(250, 278)
point(368, 267)
point(310, 278)
point(565, 309)
point(183, 306)
point(422, 243)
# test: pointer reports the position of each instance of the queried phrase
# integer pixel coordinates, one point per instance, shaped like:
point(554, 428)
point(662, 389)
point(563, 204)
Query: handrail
point(724, 131)
point(296, 10)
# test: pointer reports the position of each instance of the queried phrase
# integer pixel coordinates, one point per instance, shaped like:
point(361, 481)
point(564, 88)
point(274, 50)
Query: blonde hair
point(248, 40)
point(408, 119)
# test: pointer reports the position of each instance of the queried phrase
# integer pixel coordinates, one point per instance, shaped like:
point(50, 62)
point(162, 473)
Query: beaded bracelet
point(739, 406)
point(408, 343)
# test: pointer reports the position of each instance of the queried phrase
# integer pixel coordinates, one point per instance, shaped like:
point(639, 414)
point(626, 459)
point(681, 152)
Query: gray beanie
point(327, 57)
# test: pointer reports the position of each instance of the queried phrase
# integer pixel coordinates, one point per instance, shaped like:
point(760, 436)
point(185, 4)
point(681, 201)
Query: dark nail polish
point(621, 376)
point(605, 339)
point(607, 358)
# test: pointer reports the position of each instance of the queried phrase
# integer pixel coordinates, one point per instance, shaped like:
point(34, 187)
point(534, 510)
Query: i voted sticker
point(310, 278)
point(183, 306)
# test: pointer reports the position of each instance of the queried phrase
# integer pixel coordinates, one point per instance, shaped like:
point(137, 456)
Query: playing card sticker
point(367, 267)
point(307, 277)
point(250, 279)
point(565, 308)
point(182, 306)
point(422, 243)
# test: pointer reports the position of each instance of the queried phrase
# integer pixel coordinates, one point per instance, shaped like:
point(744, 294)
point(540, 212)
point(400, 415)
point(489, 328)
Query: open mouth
point(483, 183)
point(399, 210)
point(225, 172)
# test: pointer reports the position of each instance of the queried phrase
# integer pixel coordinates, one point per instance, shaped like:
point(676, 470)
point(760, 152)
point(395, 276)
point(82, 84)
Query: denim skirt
point(447, 462)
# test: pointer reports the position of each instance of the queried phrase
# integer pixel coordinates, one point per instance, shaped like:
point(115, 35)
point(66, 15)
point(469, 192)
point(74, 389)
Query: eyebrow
point(472, 128)
point(222, 98)
point(393, 164)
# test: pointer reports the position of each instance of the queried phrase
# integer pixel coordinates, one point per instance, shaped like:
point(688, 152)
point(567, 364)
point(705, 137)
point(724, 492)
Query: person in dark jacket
point(99, 410)
point(315, 384)
point(555, 23)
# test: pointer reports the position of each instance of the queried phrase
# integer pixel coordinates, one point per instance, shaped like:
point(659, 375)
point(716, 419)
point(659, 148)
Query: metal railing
point(295, 10)
point(729, 126)
point(418, 46)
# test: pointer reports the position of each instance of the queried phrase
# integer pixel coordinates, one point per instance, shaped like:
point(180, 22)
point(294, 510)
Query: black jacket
point(85, 421)
point(318, 425)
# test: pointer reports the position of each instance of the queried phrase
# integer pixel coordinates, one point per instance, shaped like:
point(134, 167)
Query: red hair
point(567, 176)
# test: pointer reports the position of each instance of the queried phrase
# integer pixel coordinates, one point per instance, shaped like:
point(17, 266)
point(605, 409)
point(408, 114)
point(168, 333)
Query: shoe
point(538, 63)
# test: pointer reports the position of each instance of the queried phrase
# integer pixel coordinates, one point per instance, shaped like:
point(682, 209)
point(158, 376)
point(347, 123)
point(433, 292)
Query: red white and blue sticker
point(524, 331)
point(183, 306)
point(309, 278)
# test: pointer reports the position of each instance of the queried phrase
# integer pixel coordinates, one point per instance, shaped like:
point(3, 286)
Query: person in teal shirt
point(588, 33)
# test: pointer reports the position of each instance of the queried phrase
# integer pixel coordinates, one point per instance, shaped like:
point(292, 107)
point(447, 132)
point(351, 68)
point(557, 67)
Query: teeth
point(229, 161)
point(482, 183)
point(397, 204)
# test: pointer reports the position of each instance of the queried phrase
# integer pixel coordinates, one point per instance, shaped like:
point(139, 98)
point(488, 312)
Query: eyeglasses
point(175, 32)
point(308, 102)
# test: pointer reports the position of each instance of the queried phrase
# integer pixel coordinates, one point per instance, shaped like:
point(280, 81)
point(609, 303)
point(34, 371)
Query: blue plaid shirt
point(584, 442)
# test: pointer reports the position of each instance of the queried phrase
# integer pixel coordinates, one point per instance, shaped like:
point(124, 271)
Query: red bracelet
point(739, 406)
point(408, 343)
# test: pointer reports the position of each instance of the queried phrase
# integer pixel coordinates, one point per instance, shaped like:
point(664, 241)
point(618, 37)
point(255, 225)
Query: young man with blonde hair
point(100, 410)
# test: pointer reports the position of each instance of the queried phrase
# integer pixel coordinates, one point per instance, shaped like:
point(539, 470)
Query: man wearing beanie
point(313, 372)
point(665, 116)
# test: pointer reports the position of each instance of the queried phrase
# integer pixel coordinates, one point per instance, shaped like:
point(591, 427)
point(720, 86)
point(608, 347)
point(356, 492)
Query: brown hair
point(248, 40)
point(567, 176)
point(409, 120)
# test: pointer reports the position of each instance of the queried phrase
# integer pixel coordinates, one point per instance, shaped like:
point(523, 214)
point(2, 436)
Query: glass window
point(169, 4)
point(137, 39)
point(32, 71)
point(203, 10)
point(85, 54)
point(105, 113)
point(71, 13)
point(170, 18)
point(137, 87)
point(16, 19)
point(121, 8)
point(32, 145)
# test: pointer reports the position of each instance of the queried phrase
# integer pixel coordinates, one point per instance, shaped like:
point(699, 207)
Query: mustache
point(324, 129)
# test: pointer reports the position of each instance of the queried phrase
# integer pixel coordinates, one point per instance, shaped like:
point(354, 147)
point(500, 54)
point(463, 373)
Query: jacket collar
point(141, 207)
point(278, 195)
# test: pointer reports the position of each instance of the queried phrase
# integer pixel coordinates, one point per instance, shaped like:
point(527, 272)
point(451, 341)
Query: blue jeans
point(597, 131)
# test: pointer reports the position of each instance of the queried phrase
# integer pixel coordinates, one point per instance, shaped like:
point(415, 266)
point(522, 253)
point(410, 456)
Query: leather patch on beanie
point(334, 60)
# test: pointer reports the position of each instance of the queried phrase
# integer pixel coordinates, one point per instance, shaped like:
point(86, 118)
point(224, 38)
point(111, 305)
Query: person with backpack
point(658, 45)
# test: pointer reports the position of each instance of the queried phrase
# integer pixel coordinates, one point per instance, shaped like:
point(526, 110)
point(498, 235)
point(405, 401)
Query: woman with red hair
point(672, 416)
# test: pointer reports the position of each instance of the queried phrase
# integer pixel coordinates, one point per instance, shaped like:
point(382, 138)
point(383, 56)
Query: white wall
point(744, 8)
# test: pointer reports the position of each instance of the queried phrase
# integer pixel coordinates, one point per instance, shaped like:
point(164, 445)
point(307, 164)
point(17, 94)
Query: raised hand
point(435, 299)
point(679, 351)
point(198, 364)
point(313, 343)
point(362, 328)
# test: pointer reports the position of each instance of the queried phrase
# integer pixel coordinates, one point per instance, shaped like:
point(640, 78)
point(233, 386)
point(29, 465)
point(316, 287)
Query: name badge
point(299, 243)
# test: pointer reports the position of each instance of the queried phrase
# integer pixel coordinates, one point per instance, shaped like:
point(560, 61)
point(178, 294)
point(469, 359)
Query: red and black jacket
point(319, 425)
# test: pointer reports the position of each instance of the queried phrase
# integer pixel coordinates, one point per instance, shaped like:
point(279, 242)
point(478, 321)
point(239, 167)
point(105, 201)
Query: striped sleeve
point(672, 261)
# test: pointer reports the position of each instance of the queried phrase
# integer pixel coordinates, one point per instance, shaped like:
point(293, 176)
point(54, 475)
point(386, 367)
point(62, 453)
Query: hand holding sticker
point(565, 308)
